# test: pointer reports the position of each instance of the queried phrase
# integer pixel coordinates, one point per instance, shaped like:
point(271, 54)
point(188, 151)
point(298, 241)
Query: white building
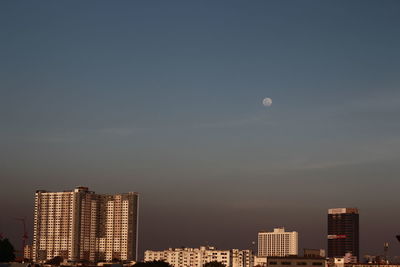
point(242, 258)
point(28, 252)
point(277, 243)
point(197, 257)
point(260, 261)
point(81, 225)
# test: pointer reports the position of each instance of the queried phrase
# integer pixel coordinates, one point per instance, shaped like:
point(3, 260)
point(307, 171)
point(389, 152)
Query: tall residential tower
point(81, 225)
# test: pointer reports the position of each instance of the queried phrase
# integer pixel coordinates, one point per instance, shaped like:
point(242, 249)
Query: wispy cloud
point(123, 131)
point(232, 123)
point(367, 153)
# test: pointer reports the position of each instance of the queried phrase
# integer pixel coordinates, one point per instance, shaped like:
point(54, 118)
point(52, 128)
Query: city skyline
point(227, 117)
point(277, 243)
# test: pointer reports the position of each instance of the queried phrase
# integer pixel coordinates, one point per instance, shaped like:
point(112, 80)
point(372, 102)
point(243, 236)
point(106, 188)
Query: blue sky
point(165, 98)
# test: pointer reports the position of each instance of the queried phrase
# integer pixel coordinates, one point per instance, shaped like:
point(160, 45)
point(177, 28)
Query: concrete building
point(118, 236)
point(339, 262)
point(277, 243)
point(370, 265)
point(28, 252)
point(343, 232)
point(242, 258)
point(336, 262)
point(296, 261)
point(197, 257)
point(260, 261)
point(76, 226)
point(314, 253)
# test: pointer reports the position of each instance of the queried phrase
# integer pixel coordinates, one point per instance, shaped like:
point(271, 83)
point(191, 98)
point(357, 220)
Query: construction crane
point(24, 235)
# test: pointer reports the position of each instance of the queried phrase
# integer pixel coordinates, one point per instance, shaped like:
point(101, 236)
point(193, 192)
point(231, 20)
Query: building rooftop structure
point(343, 211)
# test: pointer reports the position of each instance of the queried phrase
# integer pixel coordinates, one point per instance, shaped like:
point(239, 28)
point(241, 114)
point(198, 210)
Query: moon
point(267, 102)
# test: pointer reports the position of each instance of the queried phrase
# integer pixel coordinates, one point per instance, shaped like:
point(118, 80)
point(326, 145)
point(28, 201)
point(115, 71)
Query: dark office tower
point(343, 232)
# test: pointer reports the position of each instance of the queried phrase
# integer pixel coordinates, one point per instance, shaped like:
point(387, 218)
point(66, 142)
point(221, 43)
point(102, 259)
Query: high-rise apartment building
point(277, 243)
point(81, 225)
point(343, 232)
point(118, 236)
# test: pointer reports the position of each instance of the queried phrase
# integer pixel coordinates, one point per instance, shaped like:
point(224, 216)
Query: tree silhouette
point(7, 252)
point(152, 264)
point(55, 261)
point(214, 264)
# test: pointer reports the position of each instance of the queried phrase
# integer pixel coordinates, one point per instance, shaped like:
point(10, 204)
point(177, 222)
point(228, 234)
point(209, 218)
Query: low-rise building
point(28, 252)
point(242, 258)
point(260, 261)
point(314, 253)
point(296, 262)
point(197, 257)
point(370, 265)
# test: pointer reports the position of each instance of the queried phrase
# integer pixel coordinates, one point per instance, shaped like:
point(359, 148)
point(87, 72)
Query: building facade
point(118, 236)
point(277, 243)
point(339, 262)
point(76, 226)
point(296, 261)
point(343, 232)
point(260, 261)
point(242, 258)
point(28, 252)
point(314, 253)
point(197, 257)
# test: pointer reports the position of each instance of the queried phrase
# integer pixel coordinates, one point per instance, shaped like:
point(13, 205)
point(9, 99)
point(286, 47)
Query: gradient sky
point(165, 98)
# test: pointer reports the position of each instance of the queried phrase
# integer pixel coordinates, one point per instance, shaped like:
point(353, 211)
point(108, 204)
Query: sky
point(165, 98)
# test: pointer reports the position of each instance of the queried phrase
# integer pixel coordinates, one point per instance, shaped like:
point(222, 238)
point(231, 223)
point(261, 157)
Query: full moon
point(267, 102)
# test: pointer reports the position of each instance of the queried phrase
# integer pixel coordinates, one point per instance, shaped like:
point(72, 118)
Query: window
point(317, 263)
point(301, 263)
point(272, 262)
point(286, 263)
